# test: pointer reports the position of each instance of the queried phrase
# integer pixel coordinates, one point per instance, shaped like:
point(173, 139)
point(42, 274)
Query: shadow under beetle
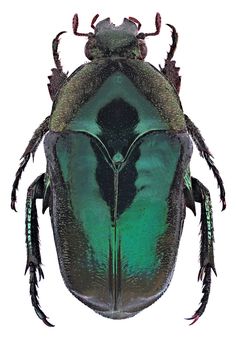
point(117, 182)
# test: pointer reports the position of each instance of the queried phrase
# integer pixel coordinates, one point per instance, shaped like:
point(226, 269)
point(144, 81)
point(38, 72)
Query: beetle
point(118, 147)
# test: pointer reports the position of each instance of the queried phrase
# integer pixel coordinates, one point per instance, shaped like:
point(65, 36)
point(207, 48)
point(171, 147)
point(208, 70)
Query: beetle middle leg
point(202, 195)
point(35, 191)
point(30, 150)
point(56, 80)
point(205, 153)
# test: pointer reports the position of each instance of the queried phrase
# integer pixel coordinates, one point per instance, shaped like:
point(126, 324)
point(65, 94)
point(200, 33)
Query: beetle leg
point(205, 153)
point(202, 195)
point(170, 70)
point(188, 191)
point(58, 77)
point(30, 150)
point(46, 193)
point(35, 191)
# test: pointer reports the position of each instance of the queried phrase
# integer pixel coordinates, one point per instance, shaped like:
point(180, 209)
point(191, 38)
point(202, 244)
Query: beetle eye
point(142, 49)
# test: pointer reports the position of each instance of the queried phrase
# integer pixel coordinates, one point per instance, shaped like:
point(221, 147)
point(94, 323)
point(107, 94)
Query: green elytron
point(117, 182)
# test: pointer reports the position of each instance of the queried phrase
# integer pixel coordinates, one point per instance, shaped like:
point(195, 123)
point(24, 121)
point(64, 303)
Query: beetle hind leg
point(35, 191)
point(202, 195)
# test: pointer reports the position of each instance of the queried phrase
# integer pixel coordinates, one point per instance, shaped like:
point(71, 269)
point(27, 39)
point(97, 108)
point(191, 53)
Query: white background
point(206, 55)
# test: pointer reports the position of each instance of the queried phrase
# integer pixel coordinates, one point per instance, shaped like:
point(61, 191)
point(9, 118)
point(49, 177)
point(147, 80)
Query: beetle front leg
point(170, 70)
point(30, 150)
point(35, 191)
point(202, 195)
point(58, 77)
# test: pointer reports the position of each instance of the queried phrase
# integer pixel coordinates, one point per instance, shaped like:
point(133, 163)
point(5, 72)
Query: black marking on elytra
point(117, 120)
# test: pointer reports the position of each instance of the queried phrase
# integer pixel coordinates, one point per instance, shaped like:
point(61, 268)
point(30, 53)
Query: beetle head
point(118, 41)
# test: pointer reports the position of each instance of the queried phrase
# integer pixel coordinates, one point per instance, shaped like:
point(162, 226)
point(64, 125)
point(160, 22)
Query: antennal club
point(158, 26)
point(75, 24)
point(94, 20)
point(135, 21)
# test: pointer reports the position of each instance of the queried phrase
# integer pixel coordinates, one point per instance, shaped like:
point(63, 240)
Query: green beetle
point(117, 183)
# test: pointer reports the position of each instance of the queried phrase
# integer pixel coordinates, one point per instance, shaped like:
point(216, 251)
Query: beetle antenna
point(158, 26)
point(135, 21)
point(75, 24)
point(94, 20)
